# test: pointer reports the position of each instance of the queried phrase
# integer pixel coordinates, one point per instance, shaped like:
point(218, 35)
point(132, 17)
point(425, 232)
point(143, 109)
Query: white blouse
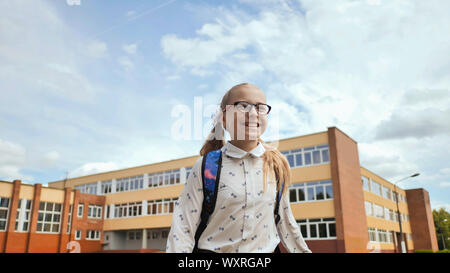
point(243, 218)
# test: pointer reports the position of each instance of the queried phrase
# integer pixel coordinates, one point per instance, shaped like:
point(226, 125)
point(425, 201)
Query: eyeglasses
point(261, 108)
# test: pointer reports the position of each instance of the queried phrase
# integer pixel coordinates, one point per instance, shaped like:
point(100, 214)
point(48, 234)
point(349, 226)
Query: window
point(78, 235)
point(391, 215)
point(378, 211)
point(130, 183)
point(138, 235)
point(386, 214)
point(376, 187)
point(369, 211)
point(365, 182)
point(299, 159)
point(167, 178)
point(161, 206)
point(80, 210)
point(290, 159)
point(320, 228)
point(387, 193)
point(49, 217)
point(311, 191)
point(87, 188)
point(4, 208)
point(164, 233)
point(23, 215)
point(106, 187)
point(95, 211)
point(382, 236)
point(325, 155)
point(107, 212)
point(372, 235)
point(128, 210)
point(307, 156)
point(390, 237)
point(93, 235)
point(69, 220)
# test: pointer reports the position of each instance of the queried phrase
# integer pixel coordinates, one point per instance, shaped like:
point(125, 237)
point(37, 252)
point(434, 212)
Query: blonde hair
point(275, 163)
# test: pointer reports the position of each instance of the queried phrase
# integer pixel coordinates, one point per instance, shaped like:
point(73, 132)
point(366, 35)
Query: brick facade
point(421, 217)
point(35, 242)
point(351, 223)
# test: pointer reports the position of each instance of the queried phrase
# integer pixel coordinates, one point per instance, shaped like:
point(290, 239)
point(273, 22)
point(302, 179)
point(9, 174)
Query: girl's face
point(245, 125)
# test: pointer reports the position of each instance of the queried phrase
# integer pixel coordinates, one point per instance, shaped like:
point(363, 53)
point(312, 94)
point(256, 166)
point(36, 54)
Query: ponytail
point(214, 141)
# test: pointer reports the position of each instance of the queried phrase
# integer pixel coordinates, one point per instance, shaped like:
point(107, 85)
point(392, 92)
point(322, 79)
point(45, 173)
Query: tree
point(442, 224)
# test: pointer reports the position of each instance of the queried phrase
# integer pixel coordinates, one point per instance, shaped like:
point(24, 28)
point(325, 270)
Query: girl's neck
point(246, 145)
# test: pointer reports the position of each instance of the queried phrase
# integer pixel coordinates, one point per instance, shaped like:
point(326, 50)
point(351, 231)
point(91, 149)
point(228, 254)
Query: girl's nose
point(253, 112)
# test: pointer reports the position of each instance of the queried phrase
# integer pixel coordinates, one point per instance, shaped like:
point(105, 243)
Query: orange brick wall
point(33, 242)
point(351, 223)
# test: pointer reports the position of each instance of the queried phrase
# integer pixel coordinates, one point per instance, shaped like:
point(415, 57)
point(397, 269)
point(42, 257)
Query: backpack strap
point(211, 166)
point(277, 204)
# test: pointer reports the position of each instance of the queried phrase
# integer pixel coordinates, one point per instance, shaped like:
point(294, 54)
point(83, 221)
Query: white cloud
point(11, 153)
point(97, 49)
point(130, 13)
point(12, 159)
point(49, 159)
point(440, 204)
point(130, 49)
point(414, 123)
point(126, 63)
point(92, 168)
point(37, 43)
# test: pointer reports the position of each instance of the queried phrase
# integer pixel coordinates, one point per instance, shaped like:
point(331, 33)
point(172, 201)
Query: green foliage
point(424, 251)
point(442, 225)
point(431, 251)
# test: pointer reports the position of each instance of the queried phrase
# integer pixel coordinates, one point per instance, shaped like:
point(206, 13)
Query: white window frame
point(21, 216)
point(106, 187)
point(52, 212)
point(7, 212)
point(80, 205)
point(368, 206)
point(308, 224)
point(372, 188)
point(314, 185)
point(320, 149)
point(95, 212)
point(78, 234)
point(166, 178)
point(93, 235)
point(161, 205)
point(69, 219)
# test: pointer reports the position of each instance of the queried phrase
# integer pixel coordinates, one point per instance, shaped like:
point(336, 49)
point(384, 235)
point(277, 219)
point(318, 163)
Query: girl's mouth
point(251, 124)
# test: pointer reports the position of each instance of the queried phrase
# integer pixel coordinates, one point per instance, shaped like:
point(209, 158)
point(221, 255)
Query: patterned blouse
point(243, 219)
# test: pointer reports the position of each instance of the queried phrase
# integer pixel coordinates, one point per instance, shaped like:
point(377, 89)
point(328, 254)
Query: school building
point(339, 205)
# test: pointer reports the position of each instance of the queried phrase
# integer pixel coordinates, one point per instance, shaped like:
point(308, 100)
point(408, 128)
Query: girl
point(243, 218)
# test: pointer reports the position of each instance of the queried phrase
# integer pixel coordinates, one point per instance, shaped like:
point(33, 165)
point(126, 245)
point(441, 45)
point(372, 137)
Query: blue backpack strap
point(211, 166)
point(277, 205)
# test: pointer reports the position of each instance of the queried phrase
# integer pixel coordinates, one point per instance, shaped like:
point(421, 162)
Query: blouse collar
point(233, 151)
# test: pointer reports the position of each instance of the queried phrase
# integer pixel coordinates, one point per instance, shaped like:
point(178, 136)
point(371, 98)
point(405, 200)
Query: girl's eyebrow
point(250, 102)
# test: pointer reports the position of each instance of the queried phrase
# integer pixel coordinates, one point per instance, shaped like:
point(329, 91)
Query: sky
point(91, 86)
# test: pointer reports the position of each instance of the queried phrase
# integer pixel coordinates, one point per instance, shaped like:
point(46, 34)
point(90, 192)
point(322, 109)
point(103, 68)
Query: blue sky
point(91, 87)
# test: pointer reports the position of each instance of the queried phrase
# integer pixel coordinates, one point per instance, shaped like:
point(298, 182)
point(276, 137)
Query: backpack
point(211, 166)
